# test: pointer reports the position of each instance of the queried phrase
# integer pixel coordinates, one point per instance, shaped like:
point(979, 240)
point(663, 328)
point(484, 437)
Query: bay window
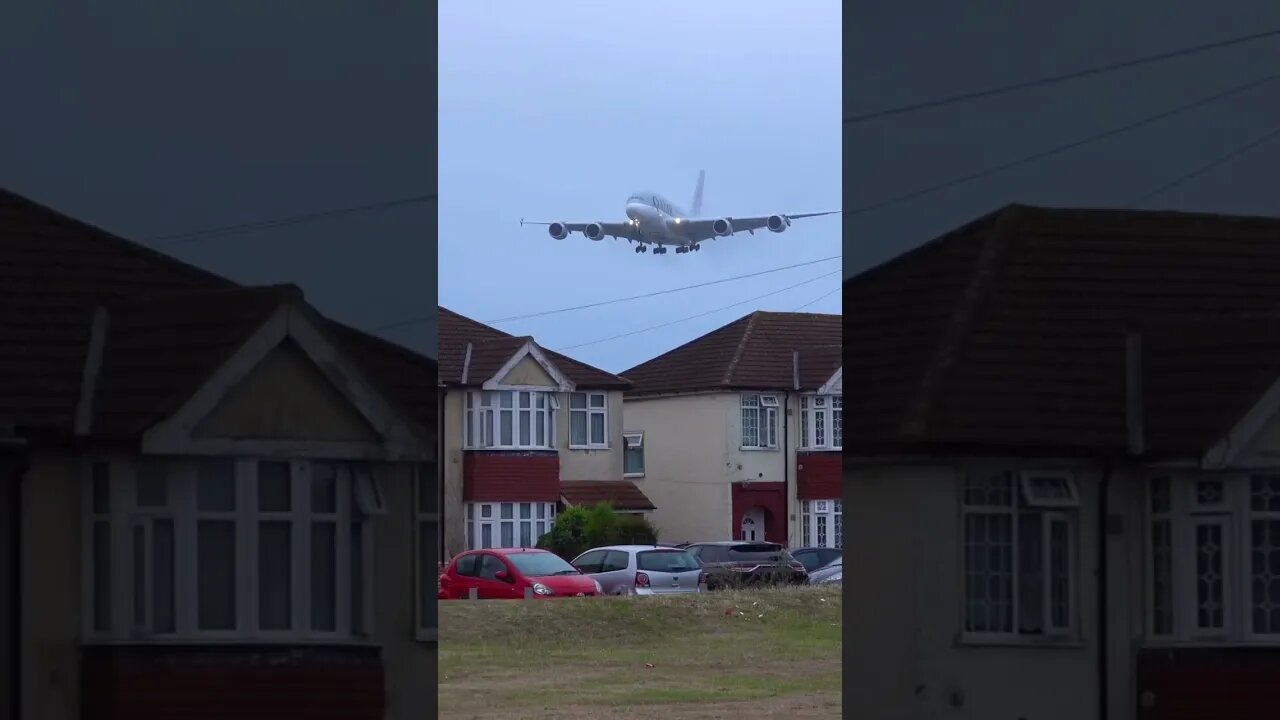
point(588, 420)
point(820, 523)
point(759, 421)
point(508, 524)
point(510, 420)
point(223, 548)
point(821, 422)
point(1213, 557)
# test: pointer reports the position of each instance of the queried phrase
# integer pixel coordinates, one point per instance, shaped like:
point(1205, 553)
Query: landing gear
point(660, 250)
point(642, 248)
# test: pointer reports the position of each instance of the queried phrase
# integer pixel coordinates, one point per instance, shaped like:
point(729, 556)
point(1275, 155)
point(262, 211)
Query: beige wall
point(592, 464)
point(693, 453)
point(453, 407)
point(51, 592)
point(903, 537)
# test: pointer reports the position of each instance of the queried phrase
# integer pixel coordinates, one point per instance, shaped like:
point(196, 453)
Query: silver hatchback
point(642, 570)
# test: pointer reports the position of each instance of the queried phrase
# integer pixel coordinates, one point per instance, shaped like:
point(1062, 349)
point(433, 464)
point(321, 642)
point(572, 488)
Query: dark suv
point(737, 563)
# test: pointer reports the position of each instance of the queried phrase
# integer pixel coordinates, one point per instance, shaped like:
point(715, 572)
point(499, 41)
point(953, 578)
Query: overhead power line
point(1201, 170)
point(239, 228)
point(1052, 79)
point(662, 292)
point(1074, 144)
point(701, 314)
point(823, 296)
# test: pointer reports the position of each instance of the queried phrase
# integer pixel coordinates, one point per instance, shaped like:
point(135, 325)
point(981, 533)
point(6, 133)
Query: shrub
point(579, 529)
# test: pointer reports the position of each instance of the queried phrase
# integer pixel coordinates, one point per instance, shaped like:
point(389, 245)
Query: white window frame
point(1027, 480)
point(482, 419)
point(1051, 513)
point(766, 408)
point(182, 488)
point(832, 415)
point(810, 511)
point(476, 522)
point(633, 441)
point(1185, 513)
point(425, 629)
point(590, 411)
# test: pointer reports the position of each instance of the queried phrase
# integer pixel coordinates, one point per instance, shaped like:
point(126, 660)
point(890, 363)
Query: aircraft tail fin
point(696, 209)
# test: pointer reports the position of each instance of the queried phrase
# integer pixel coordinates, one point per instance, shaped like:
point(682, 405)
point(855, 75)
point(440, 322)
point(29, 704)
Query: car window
point(696, 551)
point(490, 565)
point(590, 562)
point(757, 552)
point(672, 561)
point(811, 559)
point(615, 560)
point(711, 554)
point(468, 565)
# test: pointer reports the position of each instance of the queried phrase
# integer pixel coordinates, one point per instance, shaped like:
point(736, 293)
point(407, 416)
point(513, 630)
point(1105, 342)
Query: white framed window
point(821, 422)
point(1213, 557)
point(508, 524)
point(588, 420)
point(1019, 560)
point(429, 548)
point(225, 549)
point(510, 420)
point(759, 421)
point(633, 454)
point(820, 523)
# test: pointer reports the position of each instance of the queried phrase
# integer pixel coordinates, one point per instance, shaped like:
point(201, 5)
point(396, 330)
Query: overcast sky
point(918, 50)
point(560, 110)
point(152, 119)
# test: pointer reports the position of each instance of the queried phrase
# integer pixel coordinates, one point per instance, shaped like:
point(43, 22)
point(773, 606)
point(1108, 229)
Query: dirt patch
point(810, 706)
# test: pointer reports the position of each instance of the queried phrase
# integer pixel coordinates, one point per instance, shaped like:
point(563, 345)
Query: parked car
point(815, 557)
point(733, 563)
point(642, 570)
point(829, 574)
point(505, 573)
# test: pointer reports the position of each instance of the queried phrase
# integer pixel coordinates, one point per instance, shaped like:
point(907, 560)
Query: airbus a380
point(654, 220)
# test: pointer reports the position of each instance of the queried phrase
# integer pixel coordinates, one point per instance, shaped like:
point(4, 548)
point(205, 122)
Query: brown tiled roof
point(621, 494)
point(491, 349)
point(753, 352)
point(1010, 332)
point(169, 321)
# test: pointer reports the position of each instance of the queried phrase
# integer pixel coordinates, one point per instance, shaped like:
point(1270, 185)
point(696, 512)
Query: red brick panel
point(511, 477)
point(1181, 684)
point(818, 475)
point(771, 496)
point(249, 683)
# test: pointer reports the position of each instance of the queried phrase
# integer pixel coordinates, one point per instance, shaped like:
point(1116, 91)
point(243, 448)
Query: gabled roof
point(168, 322)
point(490, 350)
point(753, 352)
point(1010, 332)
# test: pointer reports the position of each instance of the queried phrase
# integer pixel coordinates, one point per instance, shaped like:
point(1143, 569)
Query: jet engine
point(594, 231)
point(558, 230)
point(722, 227)
point(778, 223)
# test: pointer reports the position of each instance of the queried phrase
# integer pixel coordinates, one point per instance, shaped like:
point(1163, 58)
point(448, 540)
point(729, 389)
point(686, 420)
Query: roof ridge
point(440, 309)
point(740, 349)
point(956, 331)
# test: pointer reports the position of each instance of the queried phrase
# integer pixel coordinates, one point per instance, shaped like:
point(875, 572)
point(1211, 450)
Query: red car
point(505, 573)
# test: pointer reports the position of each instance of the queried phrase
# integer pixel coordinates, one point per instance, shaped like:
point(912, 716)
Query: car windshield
point(540, 564)
point(758, 552)
point(833, 564)
point(672, 561)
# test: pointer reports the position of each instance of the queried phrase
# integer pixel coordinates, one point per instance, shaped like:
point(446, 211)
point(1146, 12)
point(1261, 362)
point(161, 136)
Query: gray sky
point(917, 50)
point(154, 118)
point(559, 110)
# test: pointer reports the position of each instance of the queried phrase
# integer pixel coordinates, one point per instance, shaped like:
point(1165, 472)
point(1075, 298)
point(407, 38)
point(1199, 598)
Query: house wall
point(51, 582)
point(452, 458)
point(903, 536)
point(592, 464)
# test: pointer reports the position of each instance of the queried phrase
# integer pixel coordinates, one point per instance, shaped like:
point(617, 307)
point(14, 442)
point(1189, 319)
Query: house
point(1064, 472)
point(737, 434)
point(206, 492)
point(526, 431)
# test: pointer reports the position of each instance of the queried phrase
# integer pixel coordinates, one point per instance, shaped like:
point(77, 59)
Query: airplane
point(653, 219)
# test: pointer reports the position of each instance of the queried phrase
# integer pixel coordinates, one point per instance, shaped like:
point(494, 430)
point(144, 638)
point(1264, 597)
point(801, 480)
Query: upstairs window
point(821, 422)
point(588, 420)
point(633, 454)
point(759, 421)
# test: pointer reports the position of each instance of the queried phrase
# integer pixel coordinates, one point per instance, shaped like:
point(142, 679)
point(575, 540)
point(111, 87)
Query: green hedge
point(579, 529)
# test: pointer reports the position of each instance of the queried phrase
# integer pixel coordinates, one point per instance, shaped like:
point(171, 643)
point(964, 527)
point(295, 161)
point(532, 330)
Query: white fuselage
point(657, 219)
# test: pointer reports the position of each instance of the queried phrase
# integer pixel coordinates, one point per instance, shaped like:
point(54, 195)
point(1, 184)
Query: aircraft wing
point(704, 228)
point(624, 230)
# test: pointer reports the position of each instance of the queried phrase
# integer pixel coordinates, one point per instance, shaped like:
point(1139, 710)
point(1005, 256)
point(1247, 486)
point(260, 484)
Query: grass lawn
point(777, 655)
